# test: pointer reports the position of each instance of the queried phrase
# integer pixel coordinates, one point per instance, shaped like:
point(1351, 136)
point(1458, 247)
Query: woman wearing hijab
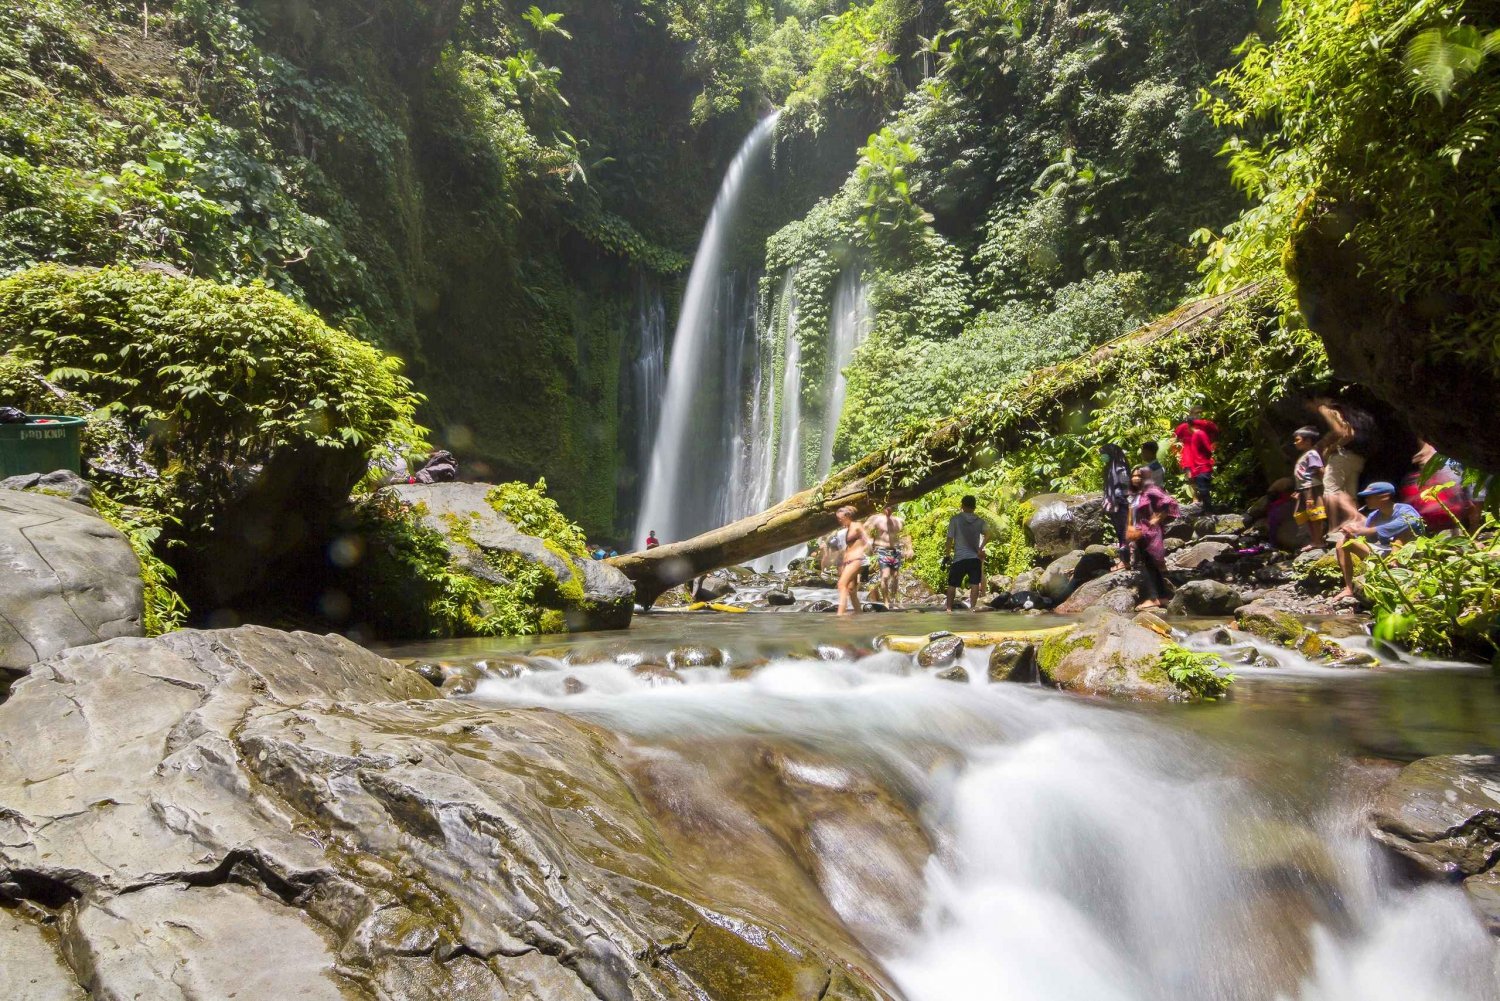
point(1151, 508)
point(1117, 493)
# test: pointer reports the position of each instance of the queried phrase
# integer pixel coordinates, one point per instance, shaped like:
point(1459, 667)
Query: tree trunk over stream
point(924, 460)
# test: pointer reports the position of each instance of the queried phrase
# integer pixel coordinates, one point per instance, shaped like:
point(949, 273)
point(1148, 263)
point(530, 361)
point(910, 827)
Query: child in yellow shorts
point(1308, 479)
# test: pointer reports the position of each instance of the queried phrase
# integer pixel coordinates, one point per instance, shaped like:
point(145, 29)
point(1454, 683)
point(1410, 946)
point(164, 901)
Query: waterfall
point(698, 460)
point(848, 324)
point(648, 371)
point(789, 442)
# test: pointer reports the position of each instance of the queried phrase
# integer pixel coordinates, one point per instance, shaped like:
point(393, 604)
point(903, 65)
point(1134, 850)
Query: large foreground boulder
point(259, 815)
point(1062, 523)
point(1114, 656)
point(590, 593)
point(70, 578)
point(1443, 813)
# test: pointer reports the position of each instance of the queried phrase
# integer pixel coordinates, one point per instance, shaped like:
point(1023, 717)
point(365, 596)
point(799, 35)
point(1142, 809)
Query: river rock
point(942, 651)
point(1443, 813)
point(1114, 592)
point(1068, 573)
point(70, 579)
point(1114, 656)
point(1205, 597)
point(695, 655)
point(1061, 523)
point(779, 597)
point(62, 483)
point(265, 815)
point(954, 673)
point(713, 589)
point(1197, 555)
point(1013, 660)
point(590, 593)
point(657, 675)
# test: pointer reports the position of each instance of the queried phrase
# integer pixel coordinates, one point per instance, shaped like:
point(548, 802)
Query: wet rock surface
point(1443, 814)
point(1061, 523)
point(941, 651)
point(1112, 656)
point(1206, 597)
point(70, 579)
point(174, 813)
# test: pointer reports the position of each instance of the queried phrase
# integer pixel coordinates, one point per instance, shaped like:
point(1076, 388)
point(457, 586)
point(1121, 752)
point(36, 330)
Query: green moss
point(1055, 649)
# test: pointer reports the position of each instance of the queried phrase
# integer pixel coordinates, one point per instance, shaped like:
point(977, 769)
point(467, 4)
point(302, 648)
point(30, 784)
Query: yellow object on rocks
point(911, 644)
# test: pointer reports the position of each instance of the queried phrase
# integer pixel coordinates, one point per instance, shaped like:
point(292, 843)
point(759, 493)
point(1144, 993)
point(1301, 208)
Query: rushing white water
point(649, 369)
point(850, 323)
point(789, 444)
point(1081, 853)
point(701, 438)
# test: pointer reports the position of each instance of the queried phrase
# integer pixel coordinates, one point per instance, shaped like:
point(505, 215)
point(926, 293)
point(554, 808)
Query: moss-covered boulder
point(485, 545)
point(1117, 657)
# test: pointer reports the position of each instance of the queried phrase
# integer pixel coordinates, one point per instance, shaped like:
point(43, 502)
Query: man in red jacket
point(1196, 439)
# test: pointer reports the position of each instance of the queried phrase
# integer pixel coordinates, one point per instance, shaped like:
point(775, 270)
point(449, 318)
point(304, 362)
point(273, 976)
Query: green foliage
point(1440, 594)
point(1005, 515)
point(164, 608)
point(409, 579)
point(534, 513)
point(892, 219)
point(1384, 112)
point(1200, 675)
point(209, 379)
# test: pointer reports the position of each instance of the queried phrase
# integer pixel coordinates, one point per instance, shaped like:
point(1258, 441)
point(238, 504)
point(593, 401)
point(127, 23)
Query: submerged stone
point(695, 655)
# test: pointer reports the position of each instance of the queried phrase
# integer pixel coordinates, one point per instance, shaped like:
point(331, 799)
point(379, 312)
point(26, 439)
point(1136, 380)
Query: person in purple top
point(1387, 526)
point(1151, 507)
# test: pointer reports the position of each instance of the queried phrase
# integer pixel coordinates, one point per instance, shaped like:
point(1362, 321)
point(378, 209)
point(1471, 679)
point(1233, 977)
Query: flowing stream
point(1069, 850)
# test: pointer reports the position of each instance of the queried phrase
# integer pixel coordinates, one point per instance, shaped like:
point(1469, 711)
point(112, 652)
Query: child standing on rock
point(1308, 479)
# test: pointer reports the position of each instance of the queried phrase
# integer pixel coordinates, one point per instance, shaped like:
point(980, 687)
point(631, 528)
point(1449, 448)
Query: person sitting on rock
point(651, 541)
point(1151, 508)
point(1387, 526)
point(1308, 477)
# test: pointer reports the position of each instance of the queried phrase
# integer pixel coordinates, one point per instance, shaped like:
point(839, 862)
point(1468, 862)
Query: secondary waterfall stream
point(1073, 851)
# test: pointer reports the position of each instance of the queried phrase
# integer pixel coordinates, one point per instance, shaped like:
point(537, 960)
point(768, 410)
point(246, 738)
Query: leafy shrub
point(164, 608)
point(211, 379)
point(1440, 594)
point(534, 513)
point(1200, 675)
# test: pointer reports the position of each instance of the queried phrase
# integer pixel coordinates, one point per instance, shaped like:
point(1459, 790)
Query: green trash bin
point(41, 445)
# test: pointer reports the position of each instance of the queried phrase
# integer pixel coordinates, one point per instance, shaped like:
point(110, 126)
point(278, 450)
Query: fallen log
point(922, 460)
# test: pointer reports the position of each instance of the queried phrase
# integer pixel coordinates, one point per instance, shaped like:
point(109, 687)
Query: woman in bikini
point(856, 541)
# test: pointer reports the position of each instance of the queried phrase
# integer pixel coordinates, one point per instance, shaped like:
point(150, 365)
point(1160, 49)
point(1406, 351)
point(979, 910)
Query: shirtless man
point(856, 541)
point(886, 532)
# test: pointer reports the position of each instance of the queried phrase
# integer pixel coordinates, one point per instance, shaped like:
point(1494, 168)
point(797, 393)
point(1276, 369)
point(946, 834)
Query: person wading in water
point(856, 541)
point(885, 532)
point(967, 535)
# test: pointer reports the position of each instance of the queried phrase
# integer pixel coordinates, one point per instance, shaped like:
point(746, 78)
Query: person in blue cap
point(1387, 526)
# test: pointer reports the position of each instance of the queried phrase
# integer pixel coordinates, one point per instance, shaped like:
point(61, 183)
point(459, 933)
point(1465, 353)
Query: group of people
point(884, 535)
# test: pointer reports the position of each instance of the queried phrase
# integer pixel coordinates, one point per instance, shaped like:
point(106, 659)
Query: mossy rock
point(572, 591)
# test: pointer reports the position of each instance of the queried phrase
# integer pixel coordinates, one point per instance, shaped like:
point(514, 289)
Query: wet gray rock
point(1066, 574)
point(954, 673)
point(70, 579)
point(265, 815)
point(780, 597)
point(713, 589)
point(1443, 814)
point(62, 483)
point(657, 675)
point(1197, 555)
point(1206, 597)
point(695, 655)
point(1013, 660)
point(1114, 592)
point(590, 593)
point(1061, 523)
point(943, 651)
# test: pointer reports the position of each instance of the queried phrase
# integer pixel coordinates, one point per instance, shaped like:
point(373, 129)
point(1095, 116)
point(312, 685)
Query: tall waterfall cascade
point(739, 427)
point(648, 368)
point(698, 458)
